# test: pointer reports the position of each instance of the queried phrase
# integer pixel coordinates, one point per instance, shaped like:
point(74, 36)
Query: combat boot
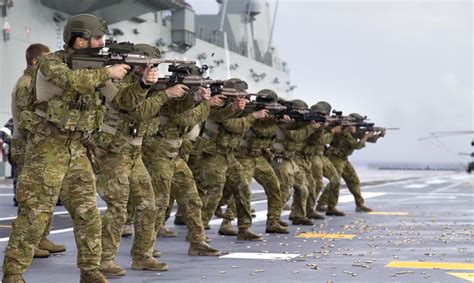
point(39, 253)
point(252, 210)
point(179, 220)
point(312, 214)
point(282, 223)
point(321, 207)
point(226, 229)
point(274, 227)
point(332, 211)
point(156, 253)
point(127, 231)
point(302, 221)
point(245, 234)
point(167, 232)
point(149, 263)
point(110, 268)
point(363, 208)
point(46, 244)
point(219, 213)
point(202, 249)
point(92, 276)
point(12, 278)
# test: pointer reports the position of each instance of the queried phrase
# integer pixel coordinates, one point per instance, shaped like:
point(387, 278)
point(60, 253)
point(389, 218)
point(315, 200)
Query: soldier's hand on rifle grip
point(150, 75)
point(369, 134)
point(176, 91)
point(216, 100)
point(336, 129)
point(261, 114)
point(286, 119)
point(315, 125)
point(118, 71)
point(202, 93)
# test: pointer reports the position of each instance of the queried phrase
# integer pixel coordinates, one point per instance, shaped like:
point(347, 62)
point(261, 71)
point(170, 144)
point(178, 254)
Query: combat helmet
point(267, 95)
point(84, 25)
point(149, 50)
point(299, 104)
point(237, 84)
point(357, 117)
point(322, 107)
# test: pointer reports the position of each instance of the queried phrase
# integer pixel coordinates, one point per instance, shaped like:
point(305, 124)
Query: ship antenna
point(273, 26)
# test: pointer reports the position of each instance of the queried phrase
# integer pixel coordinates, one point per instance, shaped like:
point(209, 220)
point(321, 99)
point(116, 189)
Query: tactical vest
point(260, 135)
point(219, 138)
point(314, 144)
point(341, 146)
point(67, 110)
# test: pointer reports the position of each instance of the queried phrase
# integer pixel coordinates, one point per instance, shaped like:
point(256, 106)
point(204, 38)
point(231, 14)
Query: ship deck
point(421, 231)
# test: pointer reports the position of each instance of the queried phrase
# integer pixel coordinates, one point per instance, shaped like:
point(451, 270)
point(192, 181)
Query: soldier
point(221, 135)
point(57, 151)
point(254, 155)
point(122, 176)
point(169, 170)
point(289, 163)
point(320, 164)
point(342, 146)
point(22, 99)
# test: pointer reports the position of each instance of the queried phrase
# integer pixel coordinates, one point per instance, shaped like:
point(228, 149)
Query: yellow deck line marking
point(325, 236)
point(388, 213)
point(466, 276)
point(431, 265)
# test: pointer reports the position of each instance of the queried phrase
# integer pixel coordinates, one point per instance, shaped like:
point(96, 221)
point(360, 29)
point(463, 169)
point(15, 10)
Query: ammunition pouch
point(29, 121)
point(73, 115)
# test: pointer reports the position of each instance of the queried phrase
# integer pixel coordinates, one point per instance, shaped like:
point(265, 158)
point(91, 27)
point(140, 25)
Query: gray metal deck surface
point(433, 222)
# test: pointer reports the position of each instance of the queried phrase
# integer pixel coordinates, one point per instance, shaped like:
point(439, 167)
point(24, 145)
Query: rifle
point(115, 53)
point(273, 107)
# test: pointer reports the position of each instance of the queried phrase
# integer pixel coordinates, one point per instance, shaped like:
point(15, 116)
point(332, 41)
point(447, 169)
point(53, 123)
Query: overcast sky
point(404, 64)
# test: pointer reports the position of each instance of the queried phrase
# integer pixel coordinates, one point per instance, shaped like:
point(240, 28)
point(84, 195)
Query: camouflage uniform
point(320, 166)
point(289, 165)
point(341, 148)
point(255, 156)
point(58, 155)
point(219, 167)
point(22, 99)
point(170, 172)
point(122, 176)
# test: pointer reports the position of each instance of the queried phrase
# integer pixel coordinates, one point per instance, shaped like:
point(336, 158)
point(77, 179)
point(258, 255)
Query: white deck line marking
point(446, 188)
point(55, 213)
point(262, 215)
point(6, 195)
point(416, 186)
point(267, 256)
point(436, 182)
point(435, 197)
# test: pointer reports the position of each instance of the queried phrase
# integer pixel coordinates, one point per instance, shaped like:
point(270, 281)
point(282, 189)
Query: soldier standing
point(254, 155)
point(342, 146)
point(68, 107)
point(169, 170)
point(22, 99)
point(289, 164)
point(221, 135)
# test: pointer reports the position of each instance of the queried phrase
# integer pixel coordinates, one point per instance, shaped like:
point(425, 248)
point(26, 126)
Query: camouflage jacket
point(22, 99)
point(224, 129)
point(291, 139)
point(343, 145)
point(316, 142)
point(74, 99)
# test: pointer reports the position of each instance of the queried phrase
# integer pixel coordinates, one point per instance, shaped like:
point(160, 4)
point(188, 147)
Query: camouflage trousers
point(172, 177)
point(260, 169)
point(19, 152)
point(219, 171)
point(56, 165)
point(122, 178)
point(322, 166)
point(349, 175)
point(291, 175)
